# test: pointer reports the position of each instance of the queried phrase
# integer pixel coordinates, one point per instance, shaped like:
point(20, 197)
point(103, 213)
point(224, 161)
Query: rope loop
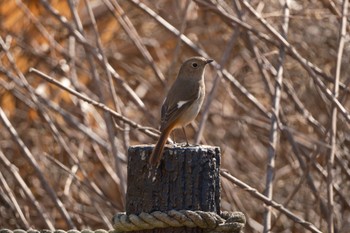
point(55, 231)
point(225, 222)
point(230, 222)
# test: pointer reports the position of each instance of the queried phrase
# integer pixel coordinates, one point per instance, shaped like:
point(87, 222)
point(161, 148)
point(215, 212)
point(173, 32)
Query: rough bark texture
point(187, 178)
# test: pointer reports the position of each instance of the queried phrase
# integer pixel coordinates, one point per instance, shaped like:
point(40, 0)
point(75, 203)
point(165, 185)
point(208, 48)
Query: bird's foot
point(185, 144)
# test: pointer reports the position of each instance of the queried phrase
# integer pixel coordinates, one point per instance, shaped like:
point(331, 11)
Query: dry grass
point(58, 165)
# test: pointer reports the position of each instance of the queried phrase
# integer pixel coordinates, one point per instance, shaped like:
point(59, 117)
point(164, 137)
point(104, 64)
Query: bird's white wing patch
point(181, 103)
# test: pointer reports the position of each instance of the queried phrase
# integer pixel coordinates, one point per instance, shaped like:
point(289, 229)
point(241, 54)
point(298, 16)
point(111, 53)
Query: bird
point(182, 103)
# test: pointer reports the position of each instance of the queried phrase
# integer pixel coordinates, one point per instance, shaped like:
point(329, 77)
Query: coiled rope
point(232, 222)
point(55, 231)
point(225, 222)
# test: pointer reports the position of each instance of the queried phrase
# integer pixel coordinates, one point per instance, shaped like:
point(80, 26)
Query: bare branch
point(274, 134)
point(333, 131)
point(147, 130)
point(269, 202)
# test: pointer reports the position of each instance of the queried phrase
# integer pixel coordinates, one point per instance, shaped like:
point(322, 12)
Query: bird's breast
point(192, 111)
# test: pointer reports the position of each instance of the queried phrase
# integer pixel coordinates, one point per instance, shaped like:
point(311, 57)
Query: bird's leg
point(183, 129)
point(173, 137)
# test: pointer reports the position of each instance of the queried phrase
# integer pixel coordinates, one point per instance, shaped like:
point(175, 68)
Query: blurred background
point(270, 101)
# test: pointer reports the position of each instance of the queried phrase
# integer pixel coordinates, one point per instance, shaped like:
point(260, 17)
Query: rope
point(55, 231)
point(212, 222)
point(232, 222)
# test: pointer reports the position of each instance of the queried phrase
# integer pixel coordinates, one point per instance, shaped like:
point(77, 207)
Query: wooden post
point(187, 179)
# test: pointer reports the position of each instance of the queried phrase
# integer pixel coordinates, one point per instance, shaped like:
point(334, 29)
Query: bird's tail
point(157, 152)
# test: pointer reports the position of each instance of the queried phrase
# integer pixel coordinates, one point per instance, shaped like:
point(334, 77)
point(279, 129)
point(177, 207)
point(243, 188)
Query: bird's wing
point(173, 108)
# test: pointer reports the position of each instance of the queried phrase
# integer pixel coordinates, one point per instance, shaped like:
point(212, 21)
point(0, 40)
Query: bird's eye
point(194, 65)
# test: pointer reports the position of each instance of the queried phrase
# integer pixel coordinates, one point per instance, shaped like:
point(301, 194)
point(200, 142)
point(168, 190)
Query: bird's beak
point(209, 61)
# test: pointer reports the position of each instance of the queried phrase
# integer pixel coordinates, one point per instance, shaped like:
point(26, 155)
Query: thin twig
point(146, 130)
point(338, 190)
point(274, 134)
point(40, 27)
point(253, 192)
point(69, 118)
point(110, 171)
point(107, 116)
point(133, 35)
point(308, 66)
point(212, 93)
point(73, 121)
point(45, 218)
point(253, 47)
point(16, 206)
point(30, 158)
point(59, 205)
point(81, 39)
point(91, 186)
point(333, 130)
point(177, 49)
point(305, 168)
point(302, 109)
point(311, 68)
point(294, 97)
point(55, 132)
point(290, 198)
point(222, 10)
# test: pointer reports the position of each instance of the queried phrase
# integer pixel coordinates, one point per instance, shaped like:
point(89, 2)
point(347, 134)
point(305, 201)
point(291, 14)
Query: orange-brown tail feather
point(157, 152)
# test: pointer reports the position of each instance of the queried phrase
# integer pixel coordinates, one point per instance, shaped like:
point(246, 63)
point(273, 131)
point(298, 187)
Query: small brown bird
point(182, 103)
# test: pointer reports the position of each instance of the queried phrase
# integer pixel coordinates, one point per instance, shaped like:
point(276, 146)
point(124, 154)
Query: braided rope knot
point(225, 222)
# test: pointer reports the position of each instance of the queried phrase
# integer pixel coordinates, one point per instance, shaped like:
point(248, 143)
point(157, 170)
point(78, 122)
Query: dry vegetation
point(62, 160)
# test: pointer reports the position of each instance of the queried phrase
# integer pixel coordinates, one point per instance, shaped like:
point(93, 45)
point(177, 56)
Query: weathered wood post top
point(187, 178)
point(182, 194)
